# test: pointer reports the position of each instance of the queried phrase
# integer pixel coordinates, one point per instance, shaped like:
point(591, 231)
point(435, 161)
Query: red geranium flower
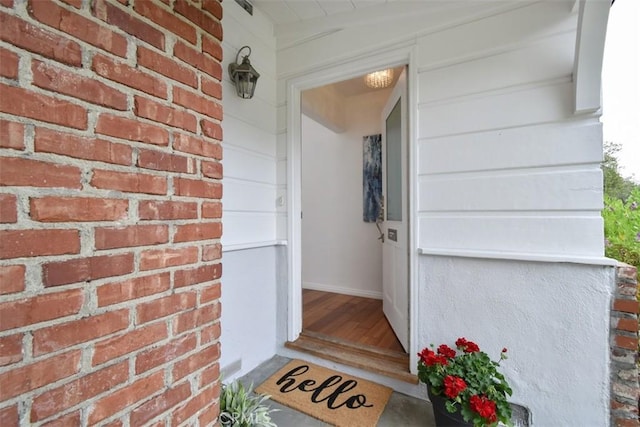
point(430, 358)
point(468, 380)
point(467, 346)
point(471, 347)
point(424, 354)
point(453, 386)
point(485, 407)
point(446, 351)
point(461, 342)
point(434, 359)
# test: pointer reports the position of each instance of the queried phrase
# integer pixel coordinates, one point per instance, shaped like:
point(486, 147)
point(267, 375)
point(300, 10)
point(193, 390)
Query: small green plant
point(240, 407)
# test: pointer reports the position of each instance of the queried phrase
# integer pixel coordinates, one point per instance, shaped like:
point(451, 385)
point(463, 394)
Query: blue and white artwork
point(371, 177)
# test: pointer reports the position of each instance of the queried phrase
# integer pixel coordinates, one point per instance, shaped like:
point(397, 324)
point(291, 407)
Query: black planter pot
point(443, 417)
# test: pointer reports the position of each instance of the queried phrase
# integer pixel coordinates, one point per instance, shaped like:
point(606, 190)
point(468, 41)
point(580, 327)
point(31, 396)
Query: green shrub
point(622, 228)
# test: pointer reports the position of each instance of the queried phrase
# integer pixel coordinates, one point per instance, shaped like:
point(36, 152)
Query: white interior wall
point(340, 252)
point(249, 199)
point(504, 170)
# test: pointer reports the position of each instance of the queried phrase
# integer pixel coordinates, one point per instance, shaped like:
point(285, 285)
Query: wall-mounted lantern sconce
point(243, 75)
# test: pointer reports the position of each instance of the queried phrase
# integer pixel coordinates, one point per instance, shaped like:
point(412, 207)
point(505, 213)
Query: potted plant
point(240, 407)
point(464, 386)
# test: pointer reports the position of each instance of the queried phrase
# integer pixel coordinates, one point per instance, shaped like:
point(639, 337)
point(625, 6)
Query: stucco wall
point(552, 318)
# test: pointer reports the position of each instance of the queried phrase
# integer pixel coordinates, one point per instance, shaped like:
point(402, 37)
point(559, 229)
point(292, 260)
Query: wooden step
point(384, 362)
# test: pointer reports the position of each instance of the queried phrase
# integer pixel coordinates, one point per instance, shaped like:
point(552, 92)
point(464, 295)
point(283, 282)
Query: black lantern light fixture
point(243, 75)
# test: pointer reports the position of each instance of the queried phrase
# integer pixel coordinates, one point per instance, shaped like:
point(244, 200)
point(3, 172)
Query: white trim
point(342, 290)
point(346, 68)
point(342, 70)
point(518, 256)
point(253, 245)
point(339, 66)
point(412, 102)
point(294, 211)
point(587, 70)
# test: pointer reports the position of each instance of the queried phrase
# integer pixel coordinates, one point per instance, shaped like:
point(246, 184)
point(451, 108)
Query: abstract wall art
point(371, 176)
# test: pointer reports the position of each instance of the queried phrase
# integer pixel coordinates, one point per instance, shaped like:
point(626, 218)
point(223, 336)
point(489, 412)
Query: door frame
point(319, 76)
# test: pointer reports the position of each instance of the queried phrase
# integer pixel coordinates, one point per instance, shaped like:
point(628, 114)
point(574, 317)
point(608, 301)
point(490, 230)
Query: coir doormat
point(333, 397)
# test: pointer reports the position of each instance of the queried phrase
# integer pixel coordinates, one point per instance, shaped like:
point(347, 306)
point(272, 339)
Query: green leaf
point(243, 408)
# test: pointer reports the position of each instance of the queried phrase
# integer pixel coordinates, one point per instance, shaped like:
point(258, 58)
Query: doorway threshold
point(383, 362)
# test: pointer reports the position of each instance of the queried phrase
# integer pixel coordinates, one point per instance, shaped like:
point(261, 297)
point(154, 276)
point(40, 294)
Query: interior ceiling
point(290, 11)
point(356, 86)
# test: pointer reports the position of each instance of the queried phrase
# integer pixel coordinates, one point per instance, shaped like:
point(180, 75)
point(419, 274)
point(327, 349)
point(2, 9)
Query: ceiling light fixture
point(379, 79)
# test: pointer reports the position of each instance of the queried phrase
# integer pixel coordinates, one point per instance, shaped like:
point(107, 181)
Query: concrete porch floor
point(401, 410)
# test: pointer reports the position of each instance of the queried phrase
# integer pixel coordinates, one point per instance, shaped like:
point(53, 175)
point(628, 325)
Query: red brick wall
point(625, 390)
point(110, 194)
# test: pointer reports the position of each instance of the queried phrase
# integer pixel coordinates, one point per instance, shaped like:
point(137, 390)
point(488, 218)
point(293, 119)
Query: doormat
point(330, 396)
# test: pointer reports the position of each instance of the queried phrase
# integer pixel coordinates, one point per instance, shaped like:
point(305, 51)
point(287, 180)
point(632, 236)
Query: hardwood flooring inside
point(352, 331)
point(353, 319)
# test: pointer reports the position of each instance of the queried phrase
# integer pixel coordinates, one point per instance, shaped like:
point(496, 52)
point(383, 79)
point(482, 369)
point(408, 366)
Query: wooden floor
point(351, 331)
point(353, 319)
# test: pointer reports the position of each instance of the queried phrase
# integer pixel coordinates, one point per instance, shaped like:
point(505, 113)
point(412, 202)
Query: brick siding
point(110, 187)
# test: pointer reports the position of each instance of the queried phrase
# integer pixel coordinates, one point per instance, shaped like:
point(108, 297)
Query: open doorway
point(343, 250)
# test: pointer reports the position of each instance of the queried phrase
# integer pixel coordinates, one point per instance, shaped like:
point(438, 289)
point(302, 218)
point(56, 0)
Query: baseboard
point(342, 290)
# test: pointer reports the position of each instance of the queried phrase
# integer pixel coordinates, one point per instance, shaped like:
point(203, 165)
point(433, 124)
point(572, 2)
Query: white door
point(395, 257)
